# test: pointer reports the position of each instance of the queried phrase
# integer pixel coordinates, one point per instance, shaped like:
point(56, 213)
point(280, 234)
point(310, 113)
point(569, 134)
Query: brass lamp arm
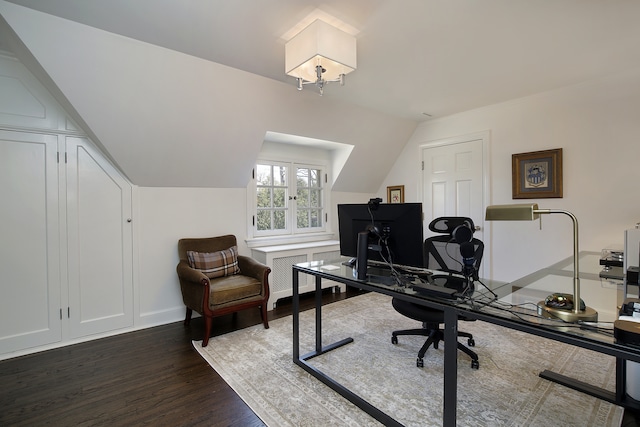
point(530, 212)
point(576, 275)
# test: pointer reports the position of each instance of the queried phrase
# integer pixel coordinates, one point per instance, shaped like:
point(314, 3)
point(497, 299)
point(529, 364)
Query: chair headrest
point(460, 228)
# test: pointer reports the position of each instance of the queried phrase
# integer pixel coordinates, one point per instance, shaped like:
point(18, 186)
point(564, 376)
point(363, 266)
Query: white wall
point(165, 215)
point(596, 124)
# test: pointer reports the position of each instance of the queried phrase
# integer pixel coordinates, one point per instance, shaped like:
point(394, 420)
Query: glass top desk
point(512, 305)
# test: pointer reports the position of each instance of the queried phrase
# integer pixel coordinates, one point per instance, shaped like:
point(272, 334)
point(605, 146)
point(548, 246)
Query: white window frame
point(287, 202)
point(291, 230)
point(323, 178)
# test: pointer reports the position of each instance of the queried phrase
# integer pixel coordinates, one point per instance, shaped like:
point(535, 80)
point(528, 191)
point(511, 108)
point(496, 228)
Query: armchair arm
point(194, 286)
point(252, 268)
point(188, 274)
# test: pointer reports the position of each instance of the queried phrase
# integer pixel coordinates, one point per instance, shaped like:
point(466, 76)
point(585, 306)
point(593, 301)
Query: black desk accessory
point(361, 258)
point(628, 331)
point(435, 290)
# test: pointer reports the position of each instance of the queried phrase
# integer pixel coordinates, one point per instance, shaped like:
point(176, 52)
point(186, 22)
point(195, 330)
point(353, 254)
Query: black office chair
point(443, 253)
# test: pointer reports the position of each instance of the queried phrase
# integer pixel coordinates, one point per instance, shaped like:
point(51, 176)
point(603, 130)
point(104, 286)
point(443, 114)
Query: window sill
point(288, 240)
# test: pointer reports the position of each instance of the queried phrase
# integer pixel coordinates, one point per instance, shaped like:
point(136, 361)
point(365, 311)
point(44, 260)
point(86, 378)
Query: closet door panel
point(29, 246)
point(99, 233)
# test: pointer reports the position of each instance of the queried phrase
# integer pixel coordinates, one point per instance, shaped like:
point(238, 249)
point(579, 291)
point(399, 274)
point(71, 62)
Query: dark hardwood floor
point(153, 376)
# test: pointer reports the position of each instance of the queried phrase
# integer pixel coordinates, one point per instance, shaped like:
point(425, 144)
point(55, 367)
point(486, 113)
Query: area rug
point(505, 391)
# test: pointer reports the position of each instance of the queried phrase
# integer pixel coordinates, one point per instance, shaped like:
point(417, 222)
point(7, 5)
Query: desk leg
point(580, 386)
point(296, 316)
point(302, 361)
point(619, 397)
point(450, 366)
point(319, 349)
point(621, 378)
point(318, 299)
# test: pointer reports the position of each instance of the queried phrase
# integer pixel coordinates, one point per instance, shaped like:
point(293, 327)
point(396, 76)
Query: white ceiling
point(414, 56)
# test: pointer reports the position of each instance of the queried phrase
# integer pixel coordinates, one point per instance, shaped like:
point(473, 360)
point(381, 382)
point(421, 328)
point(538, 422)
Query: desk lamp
point(530, 212)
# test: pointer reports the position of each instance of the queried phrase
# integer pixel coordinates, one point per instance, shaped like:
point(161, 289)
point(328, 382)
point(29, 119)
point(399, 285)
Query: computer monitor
point(395, 231)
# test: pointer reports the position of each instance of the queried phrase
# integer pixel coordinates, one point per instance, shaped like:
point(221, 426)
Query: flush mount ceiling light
point(319, 54)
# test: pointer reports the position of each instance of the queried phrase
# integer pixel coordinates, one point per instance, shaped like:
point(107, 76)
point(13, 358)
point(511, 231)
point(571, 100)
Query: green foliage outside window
point(272, 194)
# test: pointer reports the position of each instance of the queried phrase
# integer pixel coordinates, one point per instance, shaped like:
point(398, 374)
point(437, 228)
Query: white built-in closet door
point(29, 263)
point(99, 242)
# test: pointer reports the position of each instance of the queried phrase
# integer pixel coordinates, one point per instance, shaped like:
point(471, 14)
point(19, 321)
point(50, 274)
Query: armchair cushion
point(215, 264)
point(232, 290)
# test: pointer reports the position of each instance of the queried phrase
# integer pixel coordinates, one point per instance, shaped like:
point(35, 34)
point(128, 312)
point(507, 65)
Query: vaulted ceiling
point(417, 60)
point(414, 56)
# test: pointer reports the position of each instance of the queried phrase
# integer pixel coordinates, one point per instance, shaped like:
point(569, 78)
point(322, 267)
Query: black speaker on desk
point(632, 275)
point(361, 258)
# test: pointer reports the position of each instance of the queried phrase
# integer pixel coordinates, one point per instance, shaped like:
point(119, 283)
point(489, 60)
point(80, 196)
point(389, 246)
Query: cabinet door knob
point(128, 219)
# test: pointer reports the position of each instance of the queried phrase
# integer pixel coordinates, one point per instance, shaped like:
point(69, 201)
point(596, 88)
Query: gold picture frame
point(537, 175)
point(395, 194)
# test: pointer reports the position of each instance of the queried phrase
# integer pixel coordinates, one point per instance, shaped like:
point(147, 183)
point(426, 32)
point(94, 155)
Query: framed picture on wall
point(395, 194)
point(537, 175)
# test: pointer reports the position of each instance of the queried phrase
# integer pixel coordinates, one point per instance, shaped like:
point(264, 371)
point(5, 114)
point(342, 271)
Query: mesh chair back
point(443, 252)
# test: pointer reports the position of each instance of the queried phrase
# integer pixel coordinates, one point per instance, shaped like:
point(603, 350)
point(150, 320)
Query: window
point(308, 198)
point(289, 199)
point(271, 198)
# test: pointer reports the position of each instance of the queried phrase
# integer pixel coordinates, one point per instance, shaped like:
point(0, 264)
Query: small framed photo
point(537, 175)
point(395, 194)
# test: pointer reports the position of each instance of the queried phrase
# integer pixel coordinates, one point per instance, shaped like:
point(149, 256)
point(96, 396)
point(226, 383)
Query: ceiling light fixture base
point(320, 81)
point(320, 54)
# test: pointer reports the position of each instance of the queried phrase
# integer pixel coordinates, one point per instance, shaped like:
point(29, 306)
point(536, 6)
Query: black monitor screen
point(397, 236)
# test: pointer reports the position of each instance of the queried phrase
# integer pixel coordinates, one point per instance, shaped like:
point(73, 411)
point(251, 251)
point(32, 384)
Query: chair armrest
point(252, 268)
point(188, 274)
point(194, 286)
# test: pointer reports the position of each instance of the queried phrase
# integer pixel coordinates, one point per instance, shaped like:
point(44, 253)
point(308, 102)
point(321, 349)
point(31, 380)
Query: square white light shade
point(320, 44)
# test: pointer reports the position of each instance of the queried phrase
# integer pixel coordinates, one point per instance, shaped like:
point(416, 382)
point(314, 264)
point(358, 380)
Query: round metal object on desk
point(586, 315)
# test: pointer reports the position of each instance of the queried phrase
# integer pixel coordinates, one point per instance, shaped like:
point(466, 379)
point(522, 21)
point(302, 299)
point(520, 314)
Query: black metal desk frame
point(451, 312)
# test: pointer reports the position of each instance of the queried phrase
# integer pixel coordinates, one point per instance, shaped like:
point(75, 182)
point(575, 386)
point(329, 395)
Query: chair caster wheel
point(394, 340)
point(420, 362)
point(475, 364)
point(471, 342)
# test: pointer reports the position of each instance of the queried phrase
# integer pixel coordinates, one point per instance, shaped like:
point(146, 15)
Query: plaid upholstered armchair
point(215, 280)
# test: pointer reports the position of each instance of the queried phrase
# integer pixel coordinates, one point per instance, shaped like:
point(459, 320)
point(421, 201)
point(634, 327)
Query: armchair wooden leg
point(207, 330)
point(187, 318)
point(263, 312)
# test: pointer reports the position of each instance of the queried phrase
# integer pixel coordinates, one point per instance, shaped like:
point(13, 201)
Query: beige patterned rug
point(505, 391)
